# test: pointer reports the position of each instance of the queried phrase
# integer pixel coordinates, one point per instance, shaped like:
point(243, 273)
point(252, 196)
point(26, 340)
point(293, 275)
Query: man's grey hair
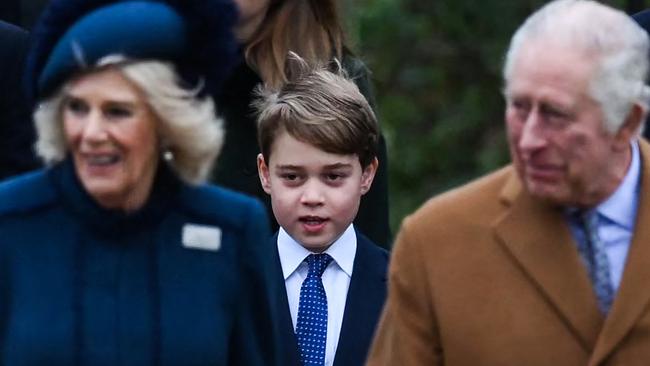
point(189, 133)
point(606, 35)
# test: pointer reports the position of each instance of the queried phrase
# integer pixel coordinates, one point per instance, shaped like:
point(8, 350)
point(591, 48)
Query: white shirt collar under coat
point(342, 251)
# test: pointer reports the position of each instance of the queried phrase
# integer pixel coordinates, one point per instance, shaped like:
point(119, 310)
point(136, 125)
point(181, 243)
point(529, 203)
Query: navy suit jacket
point(363, 307)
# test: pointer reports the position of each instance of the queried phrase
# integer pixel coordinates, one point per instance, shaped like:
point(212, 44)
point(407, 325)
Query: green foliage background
point(437, 73)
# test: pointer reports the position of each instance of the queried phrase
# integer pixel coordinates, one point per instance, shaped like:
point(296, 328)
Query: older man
point(541, 262)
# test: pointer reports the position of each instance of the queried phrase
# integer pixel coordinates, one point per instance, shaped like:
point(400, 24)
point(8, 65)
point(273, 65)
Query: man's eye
point(519, 106)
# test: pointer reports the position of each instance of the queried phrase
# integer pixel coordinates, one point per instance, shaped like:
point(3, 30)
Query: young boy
point(318, 138)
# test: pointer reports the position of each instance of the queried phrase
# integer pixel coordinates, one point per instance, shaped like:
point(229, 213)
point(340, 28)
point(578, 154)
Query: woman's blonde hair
point(189, 133)
point(310, 28)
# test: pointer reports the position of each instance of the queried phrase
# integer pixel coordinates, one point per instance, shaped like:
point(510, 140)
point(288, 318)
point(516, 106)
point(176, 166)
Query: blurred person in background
point(267, 30)
point(16, 130)
point(117, 254)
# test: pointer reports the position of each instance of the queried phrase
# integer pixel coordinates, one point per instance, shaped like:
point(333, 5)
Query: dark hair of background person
point(315, 21)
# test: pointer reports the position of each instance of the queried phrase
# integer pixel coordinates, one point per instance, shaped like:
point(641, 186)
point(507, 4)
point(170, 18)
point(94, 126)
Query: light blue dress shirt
point(616, 219)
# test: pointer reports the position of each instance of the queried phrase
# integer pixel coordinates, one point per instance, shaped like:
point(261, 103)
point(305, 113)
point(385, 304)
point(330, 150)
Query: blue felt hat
point(643, 19)
point(195, 35)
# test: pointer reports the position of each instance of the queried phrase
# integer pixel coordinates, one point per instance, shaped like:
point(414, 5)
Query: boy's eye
point(335, 177)
point(289, 176)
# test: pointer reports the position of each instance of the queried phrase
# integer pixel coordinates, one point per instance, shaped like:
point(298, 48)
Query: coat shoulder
point(470, 198)
point(373, 251)
point(227, 207)
point(26, 193)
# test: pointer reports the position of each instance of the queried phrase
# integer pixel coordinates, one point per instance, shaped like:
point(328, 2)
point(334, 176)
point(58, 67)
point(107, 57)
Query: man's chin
point(546, 192)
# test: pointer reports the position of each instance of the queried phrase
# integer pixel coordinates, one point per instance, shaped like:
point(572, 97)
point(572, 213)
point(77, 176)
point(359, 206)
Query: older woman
point(267, 30)
point(116, 254)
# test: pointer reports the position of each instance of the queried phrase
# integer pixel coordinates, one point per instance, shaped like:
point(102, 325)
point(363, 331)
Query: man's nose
point(532, 134)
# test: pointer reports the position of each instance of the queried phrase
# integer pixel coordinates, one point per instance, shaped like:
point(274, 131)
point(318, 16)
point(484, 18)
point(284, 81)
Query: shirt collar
point(621, 206)
point(292, 254)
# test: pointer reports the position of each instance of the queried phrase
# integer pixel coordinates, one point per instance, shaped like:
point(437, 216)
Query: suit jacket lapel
point(634, 292)
point(539, 240)
point(285, 337)
point(363, 305)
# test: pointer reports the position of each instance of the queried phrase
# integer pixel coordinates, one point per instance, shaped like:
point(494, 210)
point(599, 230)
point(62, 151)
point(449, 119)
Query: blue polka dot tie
point(595, 259)
point(311, 327)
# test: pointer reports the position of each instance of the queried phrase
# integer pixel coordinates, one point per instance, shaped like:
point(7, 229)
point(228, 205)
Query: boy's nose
point(312, 195)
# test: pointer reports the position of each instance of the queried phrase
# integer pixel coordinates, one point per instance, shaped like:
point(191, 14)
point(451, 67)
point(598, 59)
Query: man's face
point(558, 142)
point(315, 194)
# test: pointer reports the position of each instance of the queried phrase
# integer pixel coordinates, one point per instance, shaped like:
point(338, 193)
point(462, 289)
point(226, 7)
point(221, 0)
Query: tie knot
point(589, 220)
point(317, 263)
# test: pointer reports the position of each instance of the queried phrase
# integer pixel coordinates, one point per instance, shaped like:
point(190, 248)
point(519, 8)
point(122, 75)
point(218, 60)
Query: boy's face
point(315, 194)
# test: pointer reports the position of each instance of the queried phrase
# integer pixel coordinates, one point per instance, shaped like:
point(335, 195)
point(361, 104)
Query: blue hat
point(195, 35)
point(643, 19)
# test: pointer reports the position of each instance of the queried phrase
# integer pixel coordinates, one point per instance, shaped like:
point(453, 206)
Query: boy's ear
point(368, 175)
point(263, 172)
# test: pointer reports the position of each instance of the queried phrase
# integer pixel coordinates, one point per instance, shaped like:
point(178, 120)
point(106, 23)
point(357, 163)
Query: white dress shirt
point(336, 280)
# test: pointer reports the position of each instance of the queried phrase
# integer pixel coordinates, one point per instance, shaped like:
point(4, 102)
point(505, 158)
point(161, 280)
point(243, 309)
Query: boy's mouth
point(313, 223)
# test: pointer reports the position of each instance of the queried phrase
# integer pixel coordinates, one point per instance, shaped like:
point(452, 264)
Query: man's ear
point(630, 127)
point(368, 175)
point(263, 172)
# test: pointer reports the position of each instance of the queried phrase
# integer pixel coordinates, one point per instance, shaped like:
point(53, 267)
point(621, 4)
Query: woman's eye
point(116, 112)
point(76, 106)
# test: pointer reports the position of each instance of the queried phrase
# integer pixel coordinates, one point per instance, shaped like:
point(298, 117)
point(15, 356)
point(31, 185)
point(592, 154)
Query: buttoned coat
point(181, 281)
point(487, 275)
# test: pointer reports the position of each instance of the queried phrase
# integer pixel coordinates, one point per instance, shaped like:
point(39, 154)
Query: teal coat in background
point(81, 285)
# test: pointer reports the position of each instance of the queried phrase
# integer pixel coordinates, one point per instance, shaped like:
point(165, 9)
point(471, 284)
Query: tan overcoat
point(487, 275)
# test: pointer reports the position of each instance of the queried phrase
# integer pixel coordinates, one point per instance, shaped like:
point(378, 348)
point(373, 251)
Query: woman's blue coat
point(80, 285)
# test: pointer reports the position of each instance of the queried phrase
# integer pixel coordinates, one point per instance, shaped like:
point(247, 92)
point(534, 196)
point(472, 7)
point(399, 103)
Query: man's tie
point(311, 327)
point(595, 259)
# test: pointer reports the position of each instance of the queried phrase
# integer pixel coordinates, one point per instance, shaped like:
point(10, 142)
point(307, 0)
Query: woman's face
point(111, 133)
point(251, 15)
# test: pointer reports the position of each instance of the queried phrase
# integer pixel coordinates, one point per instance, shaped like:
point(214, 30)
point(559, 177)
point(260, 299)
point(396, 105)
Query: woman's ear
point(368, 175)
point(263, 172)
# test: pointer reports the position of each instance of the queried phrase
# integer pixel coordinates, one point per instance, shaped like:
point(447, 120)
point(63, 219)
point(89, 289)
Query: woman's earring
point(167, 155)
